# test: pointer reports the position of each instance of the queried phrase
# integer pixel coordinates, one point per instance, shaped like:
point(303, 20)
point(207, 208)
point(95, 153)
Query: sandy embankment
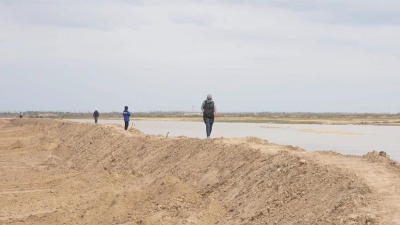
point(57, 172)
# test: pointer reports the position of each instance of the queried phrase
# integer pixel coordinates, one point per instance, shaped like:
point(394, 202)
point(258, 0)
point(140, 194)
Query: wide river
point(346, 139)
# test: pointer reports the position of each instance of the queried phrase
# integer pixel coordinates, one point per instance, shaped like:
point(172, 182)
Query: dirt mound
point(376, 156)
point(296, 148)
point(256, 140)
point(383, 158)
point(98, 174)
point(135, 131)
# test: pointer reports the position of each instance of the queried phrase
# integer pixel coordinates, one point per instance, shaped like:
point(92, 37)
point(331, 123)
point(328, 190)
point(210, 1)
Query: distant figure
point(21, 114)
point(209, 110)
point(126, 115)
point(96, 115)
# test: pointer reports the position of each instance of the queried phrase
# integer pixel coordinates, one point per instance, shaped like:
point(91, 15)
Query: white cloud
point(268, 55)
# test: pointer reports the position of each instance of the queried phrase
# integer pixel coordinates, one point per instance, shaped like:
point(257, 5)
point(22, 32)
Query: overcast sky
point(253, 55)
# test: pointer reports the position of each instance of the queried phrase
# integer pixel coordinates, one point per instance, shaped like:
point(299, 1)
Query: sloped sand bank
point(57, 172)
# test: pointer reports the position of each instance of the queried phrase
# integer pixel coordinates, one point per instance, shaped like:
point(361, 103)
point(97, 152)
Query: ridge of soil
point(58, 172)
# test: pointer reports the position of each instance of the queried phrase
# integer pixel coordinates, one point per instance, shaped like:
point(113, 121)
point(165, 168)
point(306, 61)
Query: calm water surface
point(355, 139)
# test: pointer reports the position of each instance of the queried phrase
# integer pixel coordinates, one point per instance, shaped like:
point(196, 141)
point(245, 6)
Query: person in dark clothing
point(209, 111)
point(96, 115)
point(126, 115)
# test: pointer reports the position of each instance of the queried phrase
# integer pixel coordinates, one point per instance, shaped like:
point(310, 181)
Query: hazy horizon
point(155, 112)
point(253, 56)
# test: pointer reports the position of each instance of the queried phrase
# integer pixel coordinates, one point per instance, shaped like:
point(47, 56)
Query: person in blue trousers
point(209, 111)
point(126, 115)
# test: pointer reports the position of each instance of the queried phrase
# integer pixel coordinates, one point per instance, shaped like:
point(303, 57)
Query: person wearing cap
point(96, 115)
point(209, 111)
point(126, 115)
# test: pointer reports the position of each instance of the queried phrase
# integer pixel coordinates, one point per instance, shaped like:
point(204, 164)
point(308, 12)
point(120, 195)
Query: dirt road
point(57, 172)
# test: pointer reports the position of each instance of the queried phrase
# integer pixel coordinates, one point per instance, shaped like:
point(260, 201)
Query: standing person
point(96, 115)
point(126, 115)
point(209, 110)
point(21, 114)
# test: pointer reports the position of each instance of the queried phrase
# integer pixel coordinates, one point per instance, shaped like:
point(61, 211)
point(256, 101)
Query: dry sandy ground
point(58, 172)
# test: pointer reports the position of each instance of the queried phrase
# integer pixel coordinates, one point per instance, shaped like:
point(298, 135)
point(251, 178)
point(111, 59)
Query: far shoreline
point(265, 117)
point(224, 119)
